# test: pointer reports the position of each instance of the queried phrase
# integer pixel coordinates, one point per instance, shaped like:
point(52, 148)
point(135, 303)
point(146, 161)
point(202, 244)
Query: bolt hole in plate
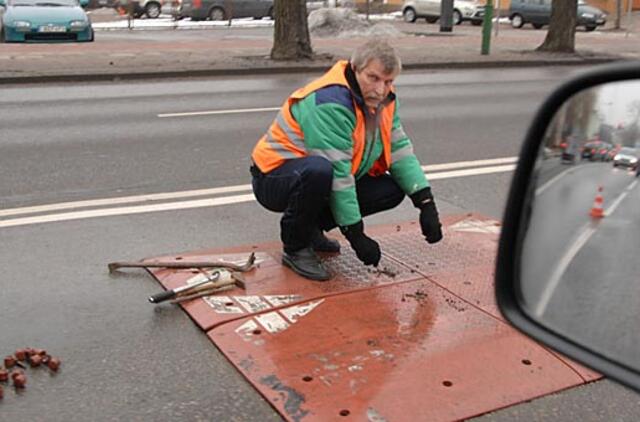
point(178, 258)
point(526, 362)
point(257, 332)
point(447, 383)
point(344, 412)
point(307, 378)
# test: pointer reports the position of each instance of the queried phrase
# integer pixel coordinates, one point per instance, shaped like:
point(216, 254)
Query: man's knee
point(320, 171)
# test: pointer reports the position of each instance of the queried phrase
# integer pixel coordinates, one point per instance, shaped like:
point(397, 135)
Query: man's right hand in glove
point(367, 249)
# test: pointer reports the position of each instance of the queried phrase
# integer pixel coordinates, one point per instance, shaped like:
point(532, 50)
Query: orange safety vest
point(285, 140)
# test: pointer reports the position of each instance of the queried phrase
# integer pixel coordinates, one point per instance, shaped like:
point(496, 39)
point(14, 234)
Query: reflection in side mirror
point(579, 261)
point(568, 267)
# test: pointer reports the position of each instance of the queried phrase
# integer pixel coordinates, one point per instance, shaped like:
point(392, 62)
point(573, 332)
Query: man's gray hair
point(376, 49)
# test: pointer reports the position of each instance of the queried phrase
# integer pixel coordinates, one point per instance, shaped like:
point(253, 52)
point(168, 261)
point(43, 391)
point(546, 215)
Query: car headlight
point(78, 24)
point(588, 15)
point(21, 25)
point(633, 160)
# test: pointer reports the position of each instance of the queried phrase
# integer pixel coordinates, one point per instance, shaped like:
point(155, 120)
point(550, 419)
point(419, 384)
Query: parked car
point(217, 10)
point(463, 10)
point(40, 21)
point(538, 14)
point(626, 157)
point(152, 9)
point(596, 151)
point(570, 150)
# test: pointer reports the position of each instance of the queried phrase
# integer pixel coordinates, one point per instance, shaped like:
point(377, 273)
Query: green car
point(44, 21)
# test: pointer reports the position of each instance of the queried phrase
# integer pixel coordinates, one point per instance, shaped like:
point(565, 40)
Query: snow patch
point(345, 23)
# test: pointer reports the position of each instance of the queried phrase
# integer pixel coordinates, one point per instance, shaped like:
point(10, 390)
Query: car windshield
point(43, 3)
point(628, 151)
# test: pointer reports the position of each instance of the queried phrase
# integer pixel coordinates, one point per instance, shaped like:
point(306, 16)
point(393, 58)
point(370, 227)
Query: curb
point(199, 73)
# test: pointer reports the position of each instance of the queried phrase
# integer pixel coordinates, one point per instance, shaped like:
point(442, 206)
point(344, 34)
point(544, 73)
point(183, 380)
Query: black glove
point(367, 249)
point(429, 221)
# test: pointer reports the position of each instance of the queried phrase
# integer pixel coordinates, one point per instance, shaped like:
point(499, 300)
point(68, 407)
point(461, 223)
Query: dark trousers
point(300, 190)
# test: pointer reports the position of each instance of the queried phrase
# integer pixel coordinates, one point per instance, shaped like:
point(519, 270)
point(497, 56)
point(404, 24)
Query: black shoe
point(321, 243)
point(306, 263)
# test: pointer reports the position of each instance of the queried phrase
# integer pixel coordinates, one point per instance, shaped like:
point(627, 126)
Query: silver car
point(626, 157)
point(463, 10)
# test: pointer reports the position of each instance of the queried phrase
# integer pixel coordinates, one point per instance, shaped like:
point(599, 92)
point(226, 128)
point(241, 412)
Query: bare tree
point(561, 36)
point(291, 39)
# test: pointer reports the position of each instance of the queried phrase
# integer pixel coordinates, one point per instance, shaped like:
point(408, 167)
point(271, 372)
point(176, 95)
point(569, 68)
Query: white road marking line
point(181, 205)
point(79, 215)
point(474, 163)
point(620, 198)
point(216, 112)
point(562, 267)
point(123, 200)
point(208, 192)
point(552, 181)
point(471, 172)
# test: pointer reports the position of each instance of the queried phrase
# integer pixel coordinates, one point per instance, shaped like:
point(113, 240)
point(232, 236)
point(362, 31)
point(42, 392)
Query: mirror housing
point(83, 3)
point(3, 3)
point(508, 265)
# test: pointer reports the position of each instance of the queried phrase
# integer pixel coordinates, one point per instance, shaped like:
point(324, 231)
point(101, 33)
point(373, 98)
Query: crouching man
point(335, 153)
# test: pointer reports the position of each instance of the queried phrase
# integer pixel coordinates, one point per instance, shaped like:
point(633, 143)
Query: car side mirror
point(568, 271)
point(2, 3)
point(83, 3)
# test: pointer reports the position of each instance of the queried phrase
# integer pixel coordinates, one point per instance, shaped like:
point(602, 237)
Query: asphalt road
point(124, 359)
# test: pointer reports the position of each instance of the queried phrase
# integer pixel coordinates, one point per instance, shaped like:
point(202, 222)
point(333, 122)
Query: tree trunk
point(561, 36)
point(291, 39)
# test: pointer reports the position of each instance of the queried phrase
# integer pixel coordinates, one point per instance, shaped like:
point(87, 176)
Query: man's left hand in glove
point(429, 221)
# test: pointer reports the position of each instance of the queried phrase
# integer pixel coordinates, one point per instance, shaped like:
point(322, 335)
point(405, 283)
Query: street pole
point(486, 28)
point(629, 21)
point(446, 16)
point(367, 10)
point(618, 14)
point(497, 18)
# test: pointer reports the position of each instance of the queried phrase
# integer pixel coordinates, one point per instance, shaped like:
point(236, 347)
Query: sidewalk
point(236, 50)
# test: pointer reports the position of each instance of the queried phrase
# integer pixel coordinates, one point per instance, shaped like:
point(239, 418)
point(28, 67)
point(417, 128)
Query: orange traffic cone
point(597, 211)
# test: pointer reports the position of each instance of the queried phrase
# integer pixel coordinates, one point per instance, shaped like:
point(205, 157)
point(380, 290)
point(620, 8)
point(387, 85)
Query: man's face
point(374, 82)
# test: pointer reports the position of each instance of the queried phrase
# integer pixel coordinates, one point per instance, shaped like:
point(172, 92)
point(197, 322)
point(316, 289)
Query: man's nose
point(379, 87)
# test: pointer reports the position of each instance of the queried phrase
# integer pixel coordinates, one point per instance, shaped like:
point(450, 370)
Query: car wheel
point(152, 10)
point(431, 19)
point(216, 14)
point(517, 21)
point(589, 28)
point(457, 17)
point(270, 13)
point(93, 35)
point(476, 23)
point(537, 25)
point(409, 15)
point(2, 35)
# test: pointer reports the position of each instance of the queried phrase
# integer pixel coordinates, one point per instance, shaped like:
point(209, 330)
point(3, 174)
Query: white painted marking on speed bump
point(272, 322)
point(476, 226)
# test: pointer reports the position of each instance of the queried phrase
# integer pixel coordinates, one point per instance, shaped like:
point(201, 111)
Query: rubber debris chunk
point(53, 364)
point(20, 381)
point(35, 361)
point(9, 362)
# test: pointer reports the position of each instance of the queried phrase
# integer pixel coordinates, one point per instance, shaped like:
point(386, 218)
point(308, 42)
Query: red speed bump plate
point(406, 256)
point(401, 352)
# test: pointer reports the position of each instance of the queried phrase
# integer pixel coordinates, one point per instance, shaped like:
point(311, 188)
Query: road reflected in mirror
point(579, 264)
